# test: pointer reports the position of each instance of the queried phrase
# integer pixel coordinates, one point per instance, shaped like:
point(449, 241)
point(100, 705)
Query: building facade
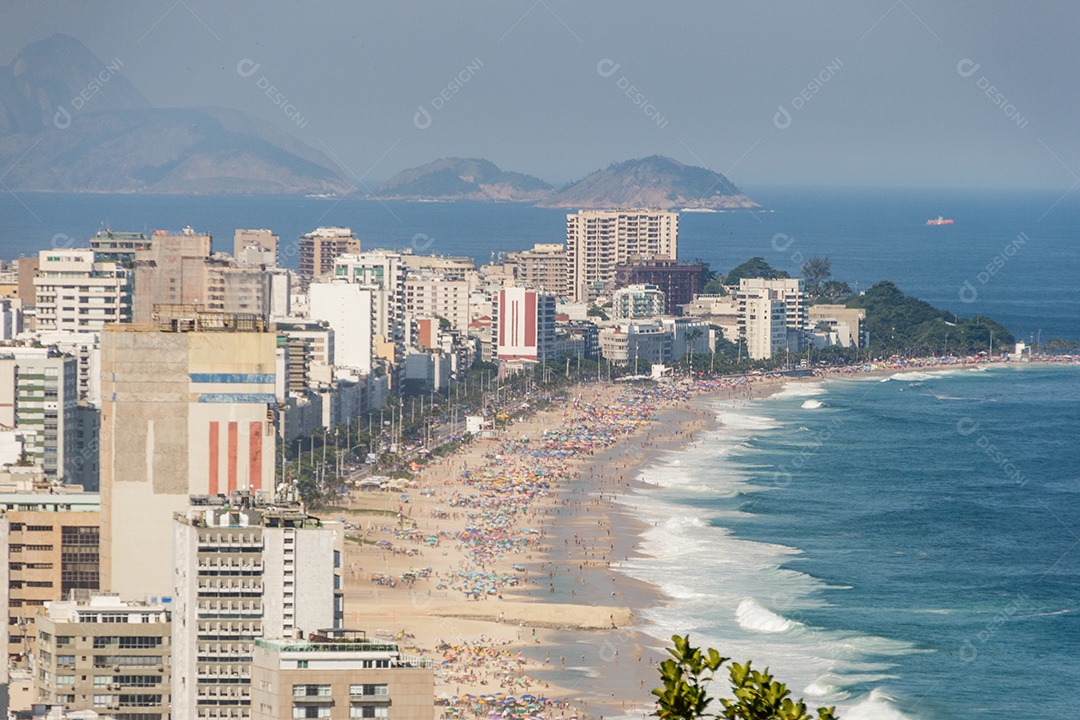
point(183, 412)
point(437, 297)
point(638, 301)
point(77, 292)
point(763, 320)
point(51, 546)
point(523, 325)
point(39, 397)
point(544, 267)
point(320, 248)
point(340, 678)
point(105, 655)
point(597, 241)
point(244, 571)
point(790, 291)
point(679, 283)
point(262, 240)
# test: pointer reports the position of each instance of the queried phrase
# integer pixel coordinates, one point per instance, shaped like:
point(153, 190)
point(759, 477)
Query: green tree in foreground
point(757, 696)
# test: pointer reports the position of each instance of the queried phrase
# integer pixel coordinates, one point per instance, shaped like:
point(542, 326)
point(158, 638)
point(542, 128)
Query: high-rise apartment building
point(170, 272)
point(432, 296)
point(339, 675)
point(523, 325)
point(118, 247)
point(763, 321)
point(39, 397)
point(76, 292)
point(105, 655)
point(263, 242)
point(188, 411)
point(245, 571)
point(790, 291)
point(599, 240)
point(384, 272)
point(349, 310)
point(544, 267)
point(49, 546)
point(320, 248)
point(638, 301)
point(680, 283)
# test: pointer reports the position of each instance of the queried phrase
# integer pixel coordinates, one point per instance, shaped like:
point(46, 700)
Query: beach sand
point(569, 628)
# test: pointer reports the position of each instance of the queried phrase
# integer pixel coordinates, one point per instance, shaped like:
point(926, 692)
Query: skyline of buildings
point(169, 376)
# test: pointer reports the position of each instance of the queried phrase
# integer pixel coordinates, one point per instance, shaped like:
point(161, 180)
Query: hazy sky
point(883, 92)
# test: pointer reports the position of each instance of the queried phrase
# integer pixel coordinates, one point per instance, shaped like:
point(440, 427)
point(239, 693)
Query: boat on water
point(940, 221)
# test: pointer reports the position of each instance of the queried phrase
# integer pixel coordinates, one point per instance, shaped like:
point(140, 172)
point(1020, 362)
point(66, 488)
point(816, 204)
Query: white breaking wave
point(799, 389)
point(878, 705)
point(811, 404)
point(757, 618)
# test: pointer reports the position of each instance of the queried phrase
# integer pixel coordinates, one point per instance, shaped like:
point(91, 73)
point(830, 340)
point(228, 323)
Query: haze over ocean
point(872, 234)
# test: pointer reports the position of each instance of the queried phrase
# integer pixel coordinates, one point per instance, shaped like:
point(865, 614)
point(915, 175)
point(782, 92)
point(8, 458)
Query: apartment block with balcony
point(51, 546)
point(105, 655)
point(598, 241)
point(319, 249)
point(339, 676)
point(245, 571)
point(544, 267)
point(75, 291)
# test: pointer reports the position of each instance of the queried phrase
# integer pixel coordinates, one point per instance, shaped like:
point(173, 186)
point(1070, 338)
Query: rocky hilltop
point(464, 179)
point(654, 181)
point(648, 182)
point(70, 122)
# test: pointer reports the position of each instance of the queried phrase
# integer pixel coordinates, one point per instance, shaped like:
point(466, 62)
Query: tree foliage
point(816, 270)
point(899, 323)
point(755, 267)
point(758, 696)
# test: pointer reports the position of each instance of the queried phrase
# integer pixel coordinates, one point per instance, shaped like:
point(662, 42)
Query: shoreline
point(571, 627)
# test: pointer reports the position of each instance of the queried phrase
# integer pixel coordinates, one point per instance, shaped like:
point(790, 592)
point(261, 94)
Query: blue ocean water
point(1028, 239)
point(902, 548)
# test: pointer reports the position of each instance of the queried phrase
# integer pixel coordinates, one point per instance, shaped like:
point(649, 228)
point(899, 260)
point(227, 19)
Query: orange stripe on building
point(255, 456)
point(233, 460)
point(215, 434)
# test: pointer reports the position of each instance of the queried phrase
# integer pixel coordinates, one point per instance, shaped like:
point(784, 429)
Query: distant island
point(654, 181)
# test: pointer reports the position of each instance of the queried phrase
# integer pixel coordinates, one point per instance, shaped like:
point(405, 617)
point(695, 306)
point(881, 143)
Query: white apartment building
point(349, 310)
point(792, 292)
point(764, 319)
point(638, 301)
point(598, 240)
point(76, 292)
point(244, 571)
point(637, 342)
point(385, 272)
point(430, 296)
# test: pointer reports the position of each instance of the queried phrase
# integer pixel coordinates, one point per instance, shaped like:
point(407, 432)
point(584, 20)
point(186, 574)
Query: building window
point(310, 691)
point(368, 711)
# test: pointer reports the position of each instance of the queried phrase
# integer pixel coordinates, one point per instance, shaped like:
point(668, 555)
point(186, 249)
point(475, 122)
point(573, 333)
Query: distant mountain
point(655, 181)
point(649, 182)
point(72, 123)
point(464, 179)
